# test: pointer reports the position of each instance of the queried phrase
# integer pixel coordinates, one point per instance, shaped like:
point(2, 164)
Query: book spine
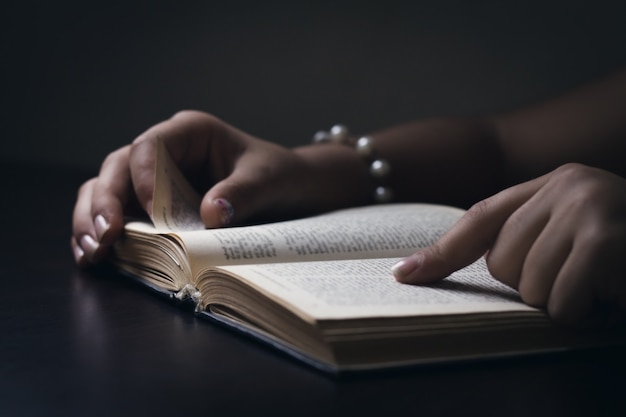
point(190, 293)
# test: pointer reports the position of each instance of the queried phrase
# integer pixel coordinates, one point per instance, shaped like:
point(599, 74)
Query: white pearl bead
point(365, 147)
point(380, 168)
point(339, 133)
point(383, 195)
point(321, 136)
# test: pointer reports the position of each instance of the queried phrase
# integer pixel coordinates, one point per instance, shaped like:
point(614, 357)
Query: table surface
point(89, 343)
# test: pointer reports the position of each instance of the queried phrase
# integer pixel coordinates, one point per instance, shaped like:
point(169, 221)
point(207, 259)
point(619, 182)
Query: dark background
point(83, 78)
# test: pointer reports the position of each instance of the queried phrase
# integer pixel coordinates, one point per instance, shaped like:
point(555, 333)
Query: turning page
point(379, 231)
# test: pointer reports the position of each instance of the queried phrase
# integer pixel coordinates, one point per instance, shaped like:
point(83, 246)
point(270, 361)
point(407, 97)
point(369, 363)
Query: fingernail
point(226, 209)
point(88, 245)
point(101, 225)
point(407, 266)
point(78, 253)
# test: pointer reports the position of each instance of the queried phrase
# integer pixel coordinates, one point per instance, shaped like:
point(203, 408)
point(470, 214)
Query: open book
point(320, 288)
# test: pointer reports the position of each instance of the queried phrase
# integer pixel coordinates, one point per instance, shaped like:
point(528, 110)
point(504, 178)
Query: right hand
point(558, 239)
point(256, 177)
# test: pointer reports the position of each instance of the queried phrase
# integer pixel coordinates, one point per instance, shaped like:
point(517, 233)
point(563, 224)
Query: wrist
point(336, 176)
point(379, 168)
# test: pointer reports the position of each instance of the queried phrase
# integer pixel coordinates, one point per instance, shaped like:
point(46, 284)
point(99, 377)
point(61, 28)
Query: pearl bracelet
point(364, 146)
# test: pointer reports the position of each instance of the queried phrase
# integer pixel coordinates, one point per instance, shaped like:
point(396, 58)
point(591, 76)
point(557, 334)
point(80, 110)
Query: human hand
point(560, 240)
point(243, 177)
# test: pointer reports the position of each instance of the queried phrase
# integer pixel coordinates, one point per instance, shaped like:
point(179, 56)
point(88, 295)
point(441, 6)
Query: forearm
point(463, 160)
point(586, 125)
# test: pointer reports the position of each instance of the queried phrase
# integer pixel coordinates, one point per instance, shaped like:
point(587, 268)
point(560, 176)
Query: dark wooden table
point(88, 343)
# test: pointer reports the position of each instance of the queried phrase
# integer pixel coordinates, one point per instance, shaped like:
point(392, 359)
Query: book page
point(365, 288)
point(374, 231)
point(175, 204)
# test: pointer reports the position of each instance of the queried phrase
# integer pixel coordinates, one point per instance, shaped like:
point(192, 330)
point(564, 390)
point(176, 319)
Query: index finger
point(468, 239)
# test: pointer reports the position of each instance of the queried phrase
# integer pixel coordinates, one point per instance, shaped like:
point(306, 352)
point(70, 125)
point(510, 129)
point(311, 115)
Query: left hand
point(560, 240)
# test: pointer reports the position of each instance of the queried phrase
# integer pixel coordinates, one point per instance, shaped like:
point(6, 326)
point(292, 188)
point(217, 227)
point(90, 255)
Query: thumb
point(233, 200)
point(469, 239)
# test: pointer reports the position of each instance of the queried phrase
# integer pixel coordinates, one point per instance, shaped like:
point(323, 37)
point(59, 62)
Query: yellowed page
point(365, 288)
point(175, 204)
